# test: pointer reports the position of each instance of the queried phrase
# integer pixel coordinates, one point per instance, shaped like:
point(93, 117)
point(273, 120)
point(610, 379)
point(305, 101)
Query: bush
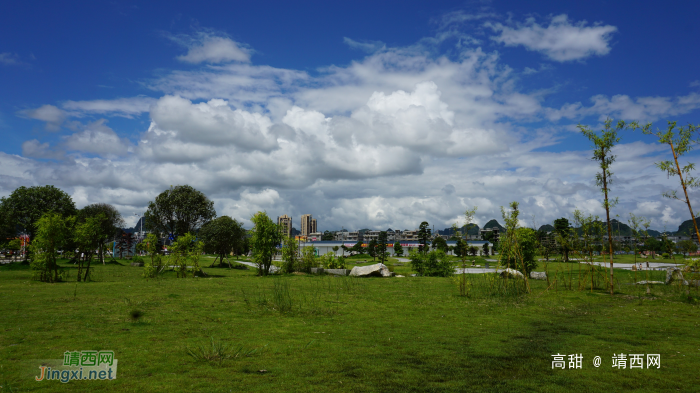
point(665, 256)
point(331, 262)
point(433, 264)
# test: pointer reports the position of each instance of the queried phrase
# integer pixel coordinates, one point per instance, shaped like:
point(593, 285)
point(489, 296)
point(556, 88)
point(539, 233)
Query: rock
point(512, 273)
point(337, 272)
point(316, 270)
point(538, 275)
point(414, 275)
point(674, 273)
point(378, 269)
point(137, 264)
point(645, 282)
point(398, 275)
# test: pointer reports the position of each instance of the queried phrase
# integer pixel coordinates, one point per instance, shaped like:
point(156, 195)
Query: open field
point(322, 333)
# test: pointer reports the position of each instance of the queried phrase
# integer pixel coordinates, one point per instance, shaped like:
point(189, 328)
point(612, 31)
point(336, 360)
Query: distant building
point(308, 225)
point(285, 223)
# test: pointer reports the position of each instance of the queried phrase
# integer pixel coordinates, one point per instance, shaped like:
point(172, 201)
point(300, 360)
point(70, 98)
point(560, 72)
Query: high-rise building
point(308, 225)
point(285, 223)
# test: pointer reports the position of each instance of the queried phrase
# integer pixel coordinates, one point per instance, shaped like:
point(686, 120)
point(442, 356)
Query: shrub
point(434, 264)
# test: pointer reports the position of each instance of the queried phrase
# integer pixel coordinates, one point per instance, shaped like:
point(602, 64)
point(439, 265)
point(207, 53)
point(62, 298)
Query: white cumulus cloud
point(561, 40)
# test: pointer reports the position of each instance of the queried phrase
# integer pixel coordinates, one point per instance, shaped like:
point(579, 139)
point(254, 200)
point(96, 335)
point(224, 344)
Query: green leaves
point(26, 205)
point(179, 210)
point(265, 236)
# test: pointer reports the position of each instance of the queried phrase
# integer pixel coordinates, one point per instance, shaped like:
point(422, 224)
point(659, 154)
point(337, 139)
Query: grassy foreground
point(320, 333)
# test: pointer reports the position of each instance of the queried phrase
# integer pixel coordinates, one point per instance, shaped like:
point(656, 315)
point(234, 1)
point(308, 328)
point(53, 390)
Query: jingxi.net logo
point(79, 365)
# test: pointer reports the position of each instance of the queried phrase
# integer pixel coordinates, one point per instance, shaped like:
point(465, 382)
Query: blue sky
point(363, 114)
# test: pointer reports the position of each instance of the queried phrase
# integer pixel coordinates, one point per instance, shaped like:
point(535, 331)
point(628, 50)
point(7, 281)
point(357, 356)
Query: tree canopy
point(26, 205)
point(221, 236)
point(179, 210)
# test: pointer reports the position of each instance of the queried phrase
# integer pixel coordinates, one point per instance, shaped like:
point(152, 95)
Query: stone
point(337, 272)
point(137, 264)
point(538, 275)
point(398, 275)
point(378, 269)
point(674, 273)
point(511, 273)
point(645, 282)
point(414, 275)
point(316, 270)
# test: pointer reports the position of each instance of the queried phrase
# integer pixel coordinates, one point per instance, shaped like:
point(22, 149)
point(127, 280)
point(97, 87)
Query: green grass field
point(322, 333)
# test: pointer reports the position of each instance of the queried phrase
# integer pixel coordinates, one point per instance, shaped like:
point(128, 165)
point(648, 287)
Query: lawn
point(322, 333)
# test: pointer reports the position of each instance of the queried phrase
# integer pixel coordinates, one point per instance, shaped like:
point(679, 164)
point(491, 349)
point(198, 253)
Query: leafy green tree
point(186, 251)
point(265, 236)
point(424, 234)
point(680, 144)
point(308, 259)
point(109, 224)
point(290, 255)
point(155, 266)
point(563, 236)
point(179, 210)
point(26, 205)
point(382, 246)
point(398, 249)
point(513, 252)
point(87, 236)
point(327, 236)
point(52, 231)
point(440, 244)
point(357, 248)
point(485, 249)
point(344, 248)
point(603, 145)
point(687, 246)
point(221, 236)
point(372, 249)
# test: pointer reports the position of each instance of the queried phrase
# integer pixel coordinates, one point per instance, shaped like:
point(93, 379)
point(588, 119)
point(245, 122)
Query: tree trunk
point(685, 191)
point(607, 213)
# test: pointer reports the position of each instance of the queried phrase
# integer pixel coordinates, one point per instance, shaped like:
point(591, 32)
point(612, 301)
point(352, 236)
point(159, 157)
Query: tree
point(440, 244)
point(398, 249)
point(485, 249)
point(290, 255)
point(423, 237)
point(52, 231)
point(372, 249)
point(515, 246)
point(108, 226)
point(184, 252)
point(358, 248)
point(26, 205)
point(87, 238)
point(680, 144)
point(179, 210)
point(687, 246)
point(221, 236)
point(563, 230)
point(327, 236)
point(602, 146)
point(151, 244)
point(265, 236)
point(344, 248)
point(635, 223)
point(381, 246)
